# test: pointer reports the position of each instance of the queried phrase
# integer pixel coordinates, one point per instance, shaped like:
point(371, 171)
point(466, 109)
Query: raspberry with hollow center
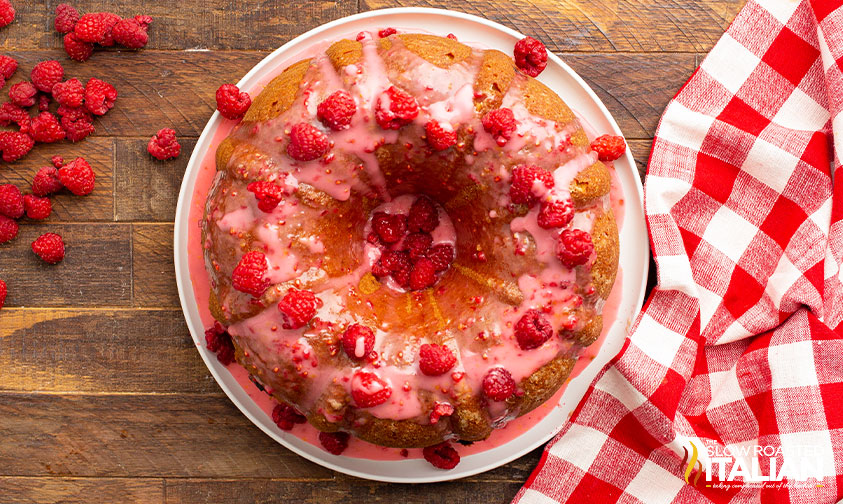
point(608, 147)
point(298, 307)
point(368, 390)
point(423, 216)
point(440, 410)
point(556, 213)
point(231, 102)
point(23, 94)
point(526, 180)
point(76, 49)
point(77, 122)
point(530, 56)
point(69, 93)
point(49, 247)
point(218, 341)
point(66, 18)
point(435, 360)
point(390, 228)
point(46, 74)
point(438, 137)
point(307, 143)
point(46, 128)
point(15, 145)
point(37, 208)
point(268, 194)
point(574, 247)
point(337, 110)
point(334, 442)
point(358, 341)
point(286, 416)
point(501, 124)
point(532, 330)
point(442, 455)
point(423, 274)
point(498, 384)
point(99, 96)
point(8, 229)
point(417, 244)
point(46, 182)
point(11, 201)
point(164, 145)
point(78, 177)
point(395, 108)
point(249, 275)
point(441, 255)
point(130, 33)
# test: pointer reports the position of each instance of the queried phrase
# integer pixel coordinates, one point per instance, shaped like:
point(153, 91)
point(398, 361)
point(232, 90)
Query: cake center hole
point(410, 242)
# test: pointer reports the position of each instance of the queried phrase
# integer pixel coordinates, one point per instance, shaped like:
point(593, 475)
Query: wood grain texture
point(153, 275)
point(147, 189)
point(15, 490)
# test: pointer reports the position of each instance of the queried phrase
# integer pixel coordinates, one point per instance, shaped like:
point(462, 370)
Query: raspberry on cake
point(408, 240)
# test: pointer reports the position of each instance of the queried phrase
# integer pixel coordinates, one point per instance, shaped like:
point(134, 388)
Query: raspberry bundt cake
point(409, 240)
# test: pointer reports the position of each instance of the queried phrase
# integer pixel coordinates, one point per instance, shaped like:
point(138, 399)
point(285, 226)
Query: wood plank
point(601, 25)
point(100, 351)
point(139, 436)
point(97, 206)
point(96, 270)
point(641, 152)
point(210, 24)
point(154, 281)
point(147, 189)
point(81, 490)
point(345, 490)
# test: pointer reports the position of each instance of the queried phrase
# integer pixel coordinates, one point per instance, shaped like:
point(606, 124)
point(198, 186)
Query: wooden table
point(103, 397)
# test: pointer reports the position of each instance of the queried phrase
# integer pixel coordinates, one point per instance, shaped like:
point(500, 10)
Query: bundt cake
point(409, 240)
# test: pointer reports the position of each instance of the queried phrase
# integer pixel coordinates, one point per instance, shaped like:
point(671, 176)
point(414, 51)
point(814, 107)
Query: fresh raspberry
point(37, 208)
point(66, 18)
point(44, 102)
point(268, 194)
point(498, 384)
point(144, 21)
point(76, 49)
point(7, 13)
point(441, 256)
point(395, 108)
point(423, 274)
point(78, 177)
point(57, 161)
point(358, 341)
point(2, 294)
point(402, 277)
point(77, 122)
point(23, 94)
point(440, 409)
point(46, 128)
point(249, 275)
point(307, 143)
point(451, 36)
point(69, 93)
point(337, 110)
point(574, 247)
point(99, 96)
point(8, 229)
point(525, 178)
point(417, 244)
point(9, 113)
point(556, 213)
point(442, 455)
point(532, 330)
point(46, 74)
point(530, 56)
point(11, 201)
point(298, 307)
point(8, 66)
point(15, 145)
point(164, 145)
point(218, 341)
point(46, 182)
point(394, 261)
point(423, 216)
point(129, 33)
point(368, 390)
point(501, 124)
point(608, 147)
point(109, 20)
point(49, 247)
point(92, 27)
point(390, 228)
point(387, 32)
point(438, 137)
point(286, 416)
point(334, 442)
point(435, 360)
point(232, 103)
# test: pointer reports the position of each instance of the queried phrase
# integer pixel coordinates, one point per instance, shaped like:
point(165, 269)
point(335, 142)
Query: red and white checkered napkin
point(737, 358)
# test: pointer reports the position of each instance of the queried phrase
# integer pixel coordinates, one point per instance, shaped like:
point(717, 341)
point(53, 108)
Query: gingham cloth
point(740, 345)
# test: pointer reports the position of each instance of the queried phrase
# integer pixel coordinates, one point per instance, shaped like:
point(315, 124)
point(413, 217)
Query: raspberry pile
point(105, 29)
point(408, 254)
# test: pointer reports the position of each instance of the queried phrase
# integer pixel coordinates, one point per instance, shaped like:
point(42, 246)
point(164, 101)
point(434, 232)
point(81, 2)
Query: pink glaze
point(537, 289)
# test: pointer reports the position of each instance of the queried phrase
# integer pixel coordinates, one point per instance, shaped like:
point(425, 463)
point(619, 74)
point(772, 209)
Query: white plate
point(633, 257)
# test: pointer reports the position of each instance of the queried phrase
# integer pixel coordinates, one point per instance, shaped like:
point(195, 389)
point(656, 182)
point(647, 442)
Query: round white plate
point(633, 256)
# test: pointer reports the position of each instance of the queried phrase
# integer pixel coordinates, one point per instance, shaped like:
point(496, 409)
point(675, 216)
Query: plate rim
point(181, 221)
